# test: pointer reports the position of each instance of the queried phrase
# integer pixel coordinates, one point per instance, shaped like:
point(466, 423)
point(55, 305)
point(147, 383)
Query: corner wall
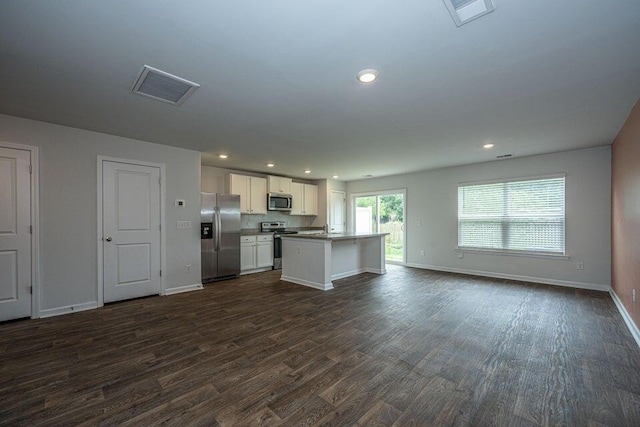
point(432, 200)
point(625, 225)
point(68, 207)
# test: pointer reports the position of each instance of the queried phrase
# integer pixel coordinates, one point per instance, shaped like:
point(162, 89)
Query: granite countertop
point(333, 236)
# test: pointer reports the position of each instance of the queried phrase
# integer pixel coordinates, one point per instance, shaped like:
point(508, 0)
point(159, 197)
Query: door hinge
point(30, 290)
point(160, 181)
point(30, 169)
point(160, 273)
point(31, 229)
point(160, 227)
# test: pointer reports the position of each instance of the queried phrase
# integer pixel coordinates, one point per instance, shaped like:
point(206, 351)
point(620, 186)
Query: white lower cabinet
point(256, 253)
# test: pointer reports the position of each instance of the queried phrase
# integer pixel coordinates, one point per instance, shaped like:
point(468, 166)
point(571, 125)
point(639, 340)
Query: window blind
point(513, 216)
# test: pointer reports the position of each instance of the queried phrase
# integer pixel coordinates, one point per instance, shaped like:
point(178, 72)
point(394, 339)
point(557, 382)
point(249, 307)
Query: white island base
point(316, 260)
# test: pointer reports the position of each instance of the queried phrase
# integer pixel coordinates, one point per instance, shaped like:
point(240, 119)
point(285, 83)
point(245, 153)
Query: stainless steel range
point(277, 228)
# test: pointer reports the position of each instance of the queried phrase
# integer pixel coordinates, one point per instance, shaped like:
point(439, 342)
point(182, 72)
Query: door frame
point(35, 222)
point(344, 211)
point(352, 215)
point(163, 261)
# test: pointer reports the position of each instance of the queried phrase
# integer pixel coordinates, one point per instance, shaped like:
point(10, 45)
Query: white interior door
point(131, 230)
point(15, 235)
point(337, 212)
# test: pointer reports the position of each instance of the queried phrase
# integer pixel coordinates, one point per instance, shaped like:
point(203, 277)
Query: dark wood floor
point(413, 347)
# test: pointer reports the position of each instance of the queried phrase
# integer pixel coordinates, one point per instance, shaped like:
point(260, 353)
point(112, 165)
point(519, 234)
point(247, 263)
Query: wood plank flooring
point(412, 347)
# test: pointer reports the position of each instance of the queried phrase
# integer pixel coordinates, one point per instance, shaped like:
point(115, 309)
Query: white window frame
point(514, 252)
point(377, 193)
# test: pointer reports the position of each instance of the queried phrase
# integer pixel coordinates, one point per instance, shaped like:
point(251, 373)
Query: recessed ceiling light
point(487, 146)
point(270, 165)
point(307, 171)
point(368, 75)
point(335, 176)
point(223, 156)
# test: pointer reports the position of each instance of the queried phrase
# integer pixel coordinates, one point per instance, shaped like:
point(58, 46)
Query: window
point(526, 215)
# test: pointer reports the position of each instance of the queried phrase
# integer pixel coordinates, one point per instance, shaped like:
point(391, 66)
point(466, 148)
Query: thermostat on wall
point(180, 203)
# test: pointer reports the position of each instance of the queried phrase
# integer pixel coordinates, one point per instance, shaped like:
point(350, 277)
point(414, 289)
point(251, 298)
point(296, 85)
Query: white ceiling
point(278, 78)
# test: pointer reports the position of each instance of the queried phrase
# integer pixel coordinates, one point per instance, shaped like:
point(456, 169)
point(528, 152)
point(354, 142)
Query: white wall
point(68, 206)
point(432, 200)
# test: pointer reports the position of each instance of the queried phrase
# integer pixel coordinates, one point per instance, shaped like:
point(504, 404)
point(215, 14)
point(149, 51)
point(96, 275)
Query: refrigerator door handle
point(218, 226)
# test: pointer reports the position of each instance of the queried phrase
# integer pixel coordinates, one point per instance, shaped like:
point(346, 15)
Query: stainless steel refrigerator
point(219, 236)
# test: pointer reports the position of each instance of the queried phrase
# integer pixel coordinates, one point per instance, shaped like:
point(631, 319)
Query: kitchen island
point(315, 260)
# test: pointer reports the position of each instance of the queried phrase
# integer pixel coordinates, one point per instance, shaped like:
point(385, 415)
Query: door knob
point(108, 239)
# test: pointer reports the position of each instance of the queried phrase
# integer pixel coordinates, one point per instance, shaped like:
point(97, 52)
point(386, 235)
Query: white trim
point(163, 226)
point(315, 285)
point(515, 179)
point(352, 218)
point(255, 270)
point(181, 289)
point(507, 252)
point(633, 328)
point(35, 222)
point(542, 280)
point(49, 312)
point(348, 274)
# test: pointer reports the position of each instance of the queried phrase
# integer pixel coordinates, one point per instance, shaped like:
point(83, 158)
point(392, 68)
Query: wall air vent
point(463, 11)
point(162, 86)
point(504, 156)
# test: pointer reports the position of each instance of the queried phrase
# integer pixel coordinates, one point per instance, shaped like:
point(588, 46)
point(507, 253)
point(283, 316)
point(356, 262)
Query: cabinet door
point(297, 201)
point(265, 254)
point(258, 195)
point(285, 185)
point(240, 184)
point(279, 184)
point(310, 199)
point(247, 256)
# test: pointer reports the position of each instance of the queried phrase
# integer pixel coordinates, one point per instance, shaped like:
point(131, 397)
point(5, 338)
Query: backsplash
point(253, 221)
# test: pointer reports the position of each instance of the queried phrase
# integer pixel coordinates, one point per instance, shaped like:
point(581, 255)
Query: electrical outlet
point(460, 255)
point(188, 268)
point(418, 223)
point(421, 253)
point(580, 265)
point(298, 250)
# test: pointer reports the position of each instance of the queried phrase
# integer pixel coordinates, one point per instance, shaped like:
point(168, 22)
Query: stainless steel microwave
point(279, 202)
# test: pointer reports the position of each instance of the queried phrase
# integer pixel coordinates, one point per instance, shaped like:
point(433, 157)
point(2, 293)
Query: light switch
point(184, 225)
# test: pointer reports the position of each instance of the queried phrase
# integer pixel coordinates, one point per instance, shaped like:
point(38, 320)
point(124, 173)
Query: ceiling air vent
point(463, 11)
point(162, 86)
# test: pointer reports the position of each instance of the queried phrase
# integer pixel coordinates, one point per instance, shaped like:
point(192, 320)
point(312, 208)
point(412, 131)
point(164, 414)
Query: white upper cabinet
point(252, 191)
point(279, 184)
point(304, 200)
point(310, 199)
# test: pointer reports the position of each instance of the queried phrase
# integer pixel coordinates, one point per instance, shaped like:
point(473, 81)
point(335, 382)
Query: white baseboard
point(542, 280)
point(633, 328)
point(50, 312)
point(315, 285)
point(358, 271)
point(180, 289)
point(256, 270)
point(348, 273)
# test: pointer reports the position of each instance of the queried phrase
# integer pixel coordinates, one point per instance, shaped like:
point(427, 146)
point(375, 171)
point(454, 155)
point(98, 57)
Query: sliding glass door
point(383, 212)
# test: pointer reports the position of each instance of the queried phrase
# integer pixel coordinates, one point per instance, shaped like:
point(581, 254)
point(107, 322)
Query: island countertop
point(333, 236)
